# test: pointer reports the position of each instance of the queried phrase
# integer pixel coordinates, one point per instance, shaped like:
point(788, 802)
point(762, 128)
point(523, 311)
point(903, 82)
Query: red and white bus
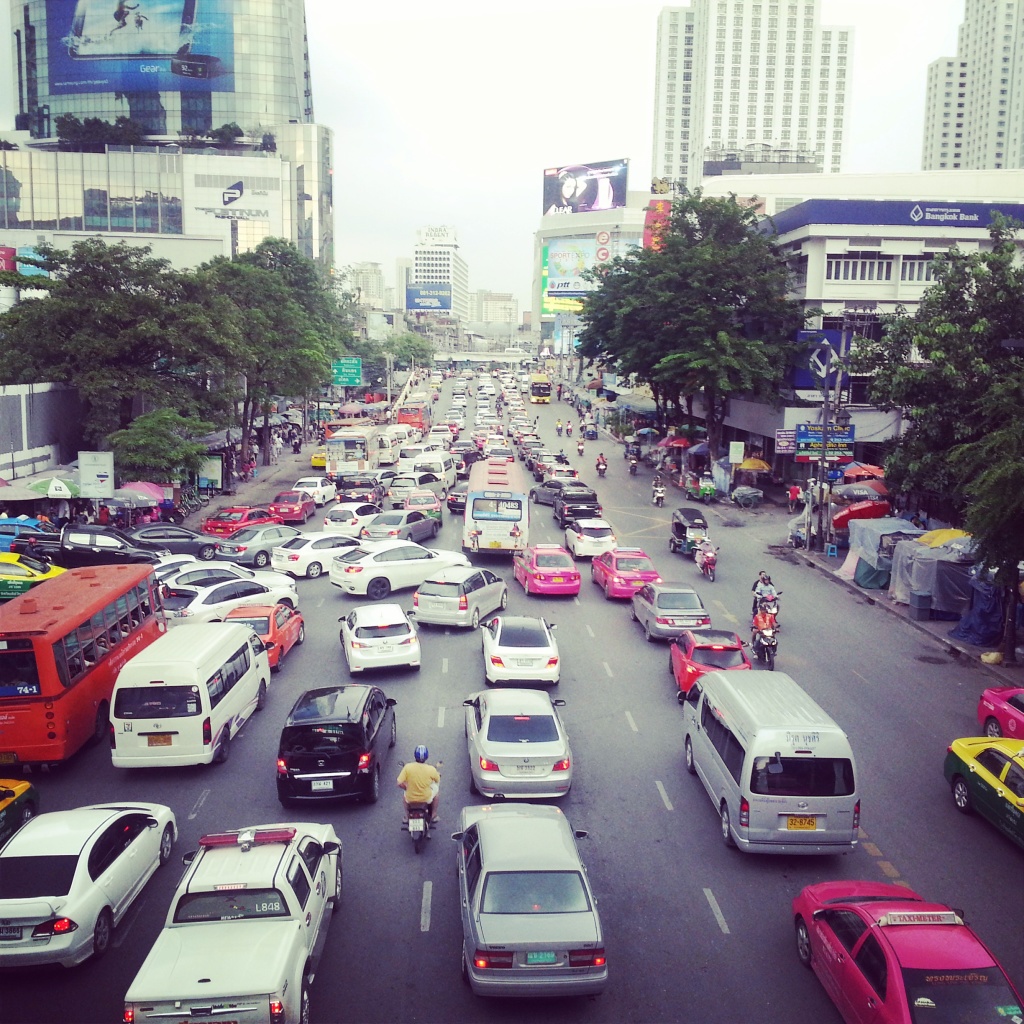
point(416, 414)
point(61, 647)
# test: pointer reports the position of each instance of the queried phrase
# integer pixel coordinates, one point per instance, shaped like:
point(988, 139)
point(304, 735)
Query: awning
point(638, 403)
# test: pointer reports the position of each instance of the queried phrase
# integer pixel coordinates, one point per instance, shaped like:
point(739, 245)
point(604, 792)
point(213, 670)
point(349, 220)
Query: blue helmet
point(421, 753)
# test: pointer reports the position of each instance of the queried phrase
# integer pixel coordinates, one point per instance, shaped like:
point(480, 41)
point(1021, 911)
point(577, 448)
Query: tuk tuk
point(689, 528)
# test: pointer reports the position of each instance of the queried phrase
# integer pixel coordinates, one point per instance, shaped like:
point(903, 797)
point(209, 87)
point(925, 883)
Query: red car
point(281, 628)
point(622, 571)
point(228, 521)
point(293, 506)
point(546, 569)
point(709, 650)
point(885, 955)
point(1001, 711)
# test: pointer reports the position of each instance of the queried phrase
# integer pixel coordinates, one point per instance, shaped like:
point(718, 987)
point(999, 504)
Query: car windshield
point(328, 738)
point(719, 657)
point(555, 560)
point(230, 905)
point(36, 877)
point(522, 728)
point(257, 623)
point(381, 631)
point(680, 600)
point(158, 701)
point(633, 563)
point(952, 995)
point(524, 634)
point(802, 776)
point(534, 892)
point(291, 496)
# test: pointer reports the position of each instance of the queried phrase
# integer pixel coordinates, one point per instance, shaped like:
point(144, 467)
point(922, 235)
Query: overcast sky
point(448, 112)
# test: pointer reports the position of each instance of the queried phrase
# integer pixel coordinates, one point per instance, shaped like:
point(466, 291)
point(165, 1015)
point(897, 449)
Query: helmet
point(764, 576)
point(421, 753)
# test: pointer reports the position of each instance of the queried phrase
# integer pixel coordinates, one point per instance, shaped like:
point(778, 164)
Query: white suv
point(586, 538)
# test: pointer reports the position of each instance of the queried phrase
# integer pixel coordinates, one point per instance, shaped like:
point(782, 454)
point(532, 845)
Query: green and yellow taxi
point(986, 776)
point(19, 573)
point(19, 801)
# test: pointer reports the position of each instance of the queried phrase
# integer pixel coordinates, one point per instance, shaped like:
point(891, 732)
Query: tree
point(706, 314)
point(410, 348)
point(158, 446)
point(226, 134)
point(94, 134)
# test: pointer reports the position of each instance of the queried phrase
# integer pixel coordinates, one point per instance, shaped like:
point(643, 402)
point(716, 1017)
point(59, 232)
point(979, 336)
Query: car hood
point(538, 930)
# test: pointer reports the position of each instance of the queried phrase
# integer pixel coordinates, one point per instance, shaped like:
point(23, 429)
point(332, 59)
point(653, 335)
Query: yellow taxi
point(18, 803)
point(986, 777)
point(318, 460)
point(19, 573)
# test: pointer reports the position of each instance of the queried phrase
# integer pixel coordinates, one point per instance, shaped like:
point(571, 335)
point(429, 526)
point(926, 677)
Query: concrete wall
point(40, 425)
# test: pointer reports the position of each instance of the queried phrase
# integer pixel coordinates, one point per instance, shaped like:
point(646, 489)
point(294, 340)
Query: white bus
point(353, 449)
point(497, 508)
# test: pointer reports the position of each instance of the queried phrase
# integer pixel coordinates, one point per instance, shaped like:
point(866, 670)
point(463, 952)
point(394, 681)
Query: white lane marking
point(725, 611)
point(664, 797)
point(632, 724)
point(608, 669)
point(576, 600)
point(716, 910)
point(860, 677)
point(440, 717)
point(199, 803)
point(590, 632)
point(425, 907)
point(320, 603)
point(444, 665)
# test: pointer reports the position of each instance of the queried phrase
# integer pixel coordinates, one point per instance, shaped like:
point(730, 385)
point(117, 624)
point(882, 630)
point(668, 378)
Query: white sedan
point(349, 517)
point(518, 649)
point(377, 569)
point(309, 553)
point(67, 878)
point(206, 574)
point(379, 636)
point(586, 538)
point(212, 603)
point(321, 488)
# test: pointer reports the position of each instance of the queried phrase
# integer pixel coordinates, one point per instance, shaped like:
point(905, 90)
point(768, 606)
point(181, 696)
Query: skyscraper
point(748, 81)
point(974, 109)
point(436, 260)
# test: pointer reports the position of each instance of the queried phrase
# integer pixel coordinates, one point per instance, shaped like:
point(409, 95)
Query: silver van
point(780, 772)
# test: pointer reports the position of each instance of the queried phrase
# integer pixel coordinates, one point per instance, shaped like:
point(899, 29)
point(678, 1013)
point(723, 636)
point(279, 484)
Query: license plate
point(494, 544)
point(541, 957)
point(638, 583)
point(321, 785)
point(384, 649)
point(162, 739)
point(6, 757)
point(9, 933)
point(557, 579)
point(797, 824)
point(416, 825)
point(526, 769)
point(524, 663)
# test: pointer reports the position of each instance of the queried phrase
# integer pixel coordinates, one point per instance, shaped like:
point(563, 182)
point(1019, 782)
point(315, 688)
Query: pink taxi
point(546, 569)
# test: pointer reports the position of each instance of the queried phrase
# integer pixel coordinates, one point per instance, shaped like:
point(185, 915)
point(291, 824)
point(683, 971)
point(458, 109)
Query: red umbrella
point(860, 510)
point(4, 483)
point(856, 470)
point(146, 487)
point(679, 442)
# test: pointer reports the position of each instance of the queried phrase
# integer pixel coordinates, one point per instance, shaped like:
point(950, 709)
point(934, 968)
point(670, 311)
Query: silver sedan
point(518, 746)
point(401, 524)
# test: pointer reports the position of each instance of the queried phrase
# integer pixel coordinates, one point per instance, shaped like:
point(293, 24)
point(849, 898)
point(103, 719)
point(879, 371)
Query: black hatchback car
point(334, 744)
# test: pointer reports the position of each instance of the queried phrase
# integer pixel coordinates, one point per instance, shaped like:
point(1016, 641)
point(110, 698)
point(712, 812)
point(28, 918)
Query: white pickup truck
point(245, 929)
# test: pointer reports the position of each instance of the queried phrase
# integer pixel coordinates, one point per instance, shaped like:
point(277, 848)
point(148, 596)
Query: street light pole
point(819, 543)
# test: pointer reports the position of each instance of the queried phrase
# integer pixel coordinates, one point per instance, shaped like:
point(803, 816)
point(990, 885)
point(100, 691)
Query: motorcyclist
point(657, 485)
point(421, 782)
point(568, 429)
point(601, 465)
point(762, 588)
point(579, 446)
point(558, 428)
point(703, 548)
point(632, 465)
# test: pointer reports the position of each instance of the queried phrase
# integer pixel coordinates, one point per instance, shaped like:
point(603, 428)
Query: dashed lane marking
point(632, 724)
point(198, 804)
point(717, 911)
point(444, 665)
point(664, 797)
point(590, 632)
point(425, 907)
point(725, 611)
point(608, 669)
point(440, 717)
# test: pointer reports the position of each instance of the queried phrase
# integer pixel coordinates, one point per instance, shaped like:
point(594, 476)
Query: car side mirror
point(457, 836)
point(391, 702)
point(681, 697)
point(270, 645)
point(580, 833)
point(187, 858)
point(469, 702)
point(558, 702)
point(331, 848)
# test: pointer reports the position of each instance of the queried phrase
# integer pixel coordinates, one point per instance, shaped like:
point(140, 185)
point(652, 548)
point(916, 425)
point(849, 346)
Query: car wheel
point(803, 942)
point(206, 552)
point(992, 728)
point(672, 545)
point(261, 560)
point(474, 621)
point(373, 787)
point(377, 589)
point(593, 573)
point(166, 844)
point(304, 1012)
point(261, 696)
point(648, 636)
point(632, 612)
point(101, 726)
point(726, 826)
point(339, 880)
point(224, 749)
point(504, 600)
point(688, 757)
point(313, 570)
point(102, 933)
point(607, 592)
point(962, 796)
point(533, 497)
point(394, 732)
point(434, 530)
point(302, 635)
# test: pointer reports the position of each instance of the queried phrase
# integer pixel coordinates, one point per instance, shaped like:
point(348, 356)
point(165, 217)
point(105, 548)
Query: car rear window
point(227, 517)
point(953, 994)
point(534, 892)
point(573, 496)
point(634, 565)
point(719, 658)
point(388, 519)
point(233, 905)
point(555, 560)
point(680, 601)
point(351, 556)
point(514, 635)
point(326, 738)
point(176, 599)
point(802, 776)
point(36, 877)
point(384, 629)
point(597, 532)
point(438, 589)
point(522, 729)
point(356, 481)
point(291, 496)
point(158, 701)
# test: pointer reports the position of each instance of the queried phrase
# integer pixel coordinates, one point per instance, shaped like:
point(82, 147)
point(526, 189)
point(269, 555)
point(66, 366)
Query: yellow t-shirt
point(418, 778)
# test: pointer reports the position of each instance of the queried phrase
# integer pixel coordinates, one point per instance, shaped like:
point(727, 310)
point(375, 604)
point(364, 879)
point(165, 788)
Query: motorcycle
point(602, 468)
point(632, 466)
point(579, 447)
point(706, 559)
point(658, 497)
point(568, 430)
point(764, 642)
point(558, 429)
point(419, 825)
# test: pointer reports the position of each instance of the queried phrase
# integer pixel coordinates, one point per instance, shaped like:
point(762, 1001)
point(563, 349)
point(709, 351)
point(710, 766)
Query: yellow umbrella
point(936, 538)
point(757, 465)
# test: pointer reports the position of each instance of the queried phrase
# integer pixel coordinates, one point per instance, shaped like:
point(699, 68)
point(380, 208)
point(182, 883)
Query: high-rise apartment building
point(436, 260)
point(367, 280)
point(176, 69)
point(760, 79)
point(974, 109)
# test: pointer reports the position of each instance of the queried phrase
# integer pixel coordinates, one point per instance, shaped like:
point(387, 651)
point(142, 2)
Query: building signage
point(839, 447)
point(8, 256)
point(737, 452)
point(428, 296)
point(96, 473)
point(567, 259)
point(583, 188)
point(28, 252)
point(347, 373)
point(440, 234)
point(785, 442)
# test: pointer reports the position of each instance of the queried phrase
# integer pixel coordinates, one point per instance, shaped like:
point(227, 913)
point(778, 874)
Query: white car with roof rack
point(245, 929)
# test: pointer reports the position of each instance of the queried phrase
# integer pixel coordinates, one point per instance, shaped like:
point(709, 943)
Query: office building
point(440, 277)
point(494, 307)
point(367, 282)
point(974, 107)
point(748, 82)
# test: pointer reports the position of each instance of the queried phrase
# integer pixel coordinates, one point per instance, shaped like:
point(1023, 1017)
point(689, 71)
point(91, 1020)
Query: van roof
point(189, 642)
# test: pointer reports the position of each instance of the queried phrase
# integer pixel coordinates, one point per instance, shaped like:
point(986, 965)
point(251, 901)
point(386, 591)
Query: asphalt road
point(695, 931)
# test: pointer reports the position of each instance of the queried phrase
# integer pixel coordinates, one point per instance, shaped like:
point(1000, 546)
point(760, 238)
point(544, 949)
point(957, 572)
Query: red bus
point(416, 414)
point(61, 647)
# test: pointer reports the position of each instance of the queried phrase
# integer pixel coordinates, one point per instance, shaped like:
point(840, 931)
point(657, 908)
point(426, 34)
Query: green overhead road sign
point(347, 373)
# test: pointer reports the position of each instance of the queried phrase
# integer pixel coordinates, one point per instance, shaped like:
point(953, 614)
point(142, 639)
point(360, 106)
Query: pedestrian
point(63, 512)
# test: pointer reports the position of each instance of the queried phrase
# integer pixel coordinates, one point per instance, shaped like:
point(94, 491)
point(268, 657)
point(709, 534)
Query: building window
point(858, 267)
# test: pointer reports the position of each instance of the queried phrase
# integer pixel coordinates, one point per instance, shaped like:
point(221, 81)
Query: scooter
point(632, 466)
point(659, 495)
point(579, 447)
point(419, 825)
point(706, 561)
point(602, 468)
point(568, 430)
point(764, 643)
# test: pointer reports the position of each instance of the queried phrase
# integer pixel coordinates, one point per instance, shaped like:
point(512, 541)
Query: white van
point(441, 463)
point(183, 698)
point(401, 434)
point(387, 450)
point(779, 770)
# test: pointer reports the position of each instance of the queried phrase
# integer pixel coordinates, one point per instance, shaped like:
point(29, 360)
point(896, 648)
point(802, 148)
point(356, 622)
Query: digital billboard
point(567, 259)
point(582, 188)
point(428, 296)
point(145, 46)
point(656, 221)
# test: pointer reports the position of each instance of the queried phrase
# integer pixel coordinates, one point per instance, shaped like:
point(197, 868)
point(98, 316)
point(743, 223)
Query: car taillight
point(552, 662)
point(56, 926)
point(485, 960)
point(561, 766)
point(356, 645)
point(364, 763)
point(587, 958)
point(856, 815)
point(463, 603)
point(744, 812)
point(415, 599)
point(706, 620)
point(487, 766)
point(293, 558)
point(663, 621)
point(497, 662)
point(392, 533)
point(241, 547)
point(408, 640)
point(128, 1017)
point(112, 735)
point(282, 766)
point(277, 1015)
point(207, 732)
point(353, 568)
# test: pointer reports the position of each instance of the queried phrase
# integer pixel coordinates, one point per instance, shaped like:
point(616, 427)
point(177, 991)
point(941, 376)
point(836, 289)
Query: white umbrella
point(58, 489)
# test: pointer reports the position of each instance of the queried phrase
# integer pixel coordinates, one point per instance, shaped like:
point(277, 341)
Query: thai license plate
point(384, 649)
point(638, 583)
point(524, 662)
point(526, 769)
point(321, 785)
point(495, 544)
point(9, 933)
point(162, 739)
point(416, 825)
point(541, 957)
point(558, 579)
point(7, 757)
point(798, 824)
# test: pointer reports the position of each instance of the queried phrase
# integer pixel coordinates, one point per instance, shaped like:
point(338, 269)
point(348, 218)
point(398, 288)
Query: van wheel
point(304, 1014)
point(101, 726)
point(373, 787)
point(224, 749)
point(962, 796)
point(688, 758)
point(803, 942)
point(102, 933)
point(726, 827)
point(261, 696)
point(313, 570)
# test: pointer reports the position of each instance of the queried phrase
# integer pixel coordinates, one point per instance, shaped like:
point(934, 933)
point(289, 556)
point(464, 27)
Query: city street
point(695, 932)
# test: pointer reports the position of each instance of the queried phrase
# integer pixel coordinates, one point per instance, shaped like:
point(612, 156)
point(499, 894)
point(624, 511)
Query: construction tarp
point(982, 623)
point(869, 539)
point(943, 572)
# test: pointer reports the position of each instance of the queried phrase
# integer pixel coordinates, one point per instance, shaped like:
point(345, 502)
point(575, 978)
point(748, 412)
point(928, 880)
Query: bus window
point(18, 674)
